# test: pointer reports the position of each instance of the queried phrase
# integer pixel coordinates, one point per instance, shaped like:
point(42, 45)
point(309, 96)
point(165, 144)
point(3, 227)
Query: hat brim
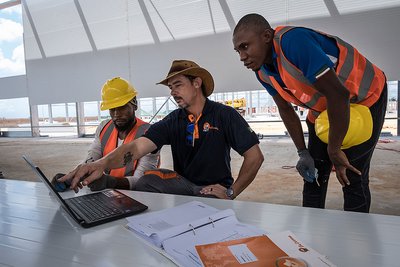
point(116, 103)
point(205, 76)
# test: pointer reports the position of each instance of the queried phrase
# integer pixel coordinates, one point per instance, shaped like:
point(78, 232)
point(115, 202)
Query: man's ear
point(134, 103)
point(268, 35)
point(197, 82)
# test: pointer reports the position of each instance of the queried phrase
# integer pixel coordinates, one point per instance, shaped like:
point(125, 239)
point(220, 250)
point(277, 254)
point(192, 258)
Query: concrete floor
point(277, 181)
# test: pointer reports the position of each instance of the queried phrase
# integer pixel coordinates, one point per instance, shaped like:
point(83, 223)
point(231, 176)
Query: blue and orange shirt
point(300, 55)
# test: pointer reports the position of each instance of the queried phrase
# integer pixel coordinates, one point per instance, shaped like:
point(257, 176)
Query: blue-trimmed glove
point(60, 186)
point(305, 166)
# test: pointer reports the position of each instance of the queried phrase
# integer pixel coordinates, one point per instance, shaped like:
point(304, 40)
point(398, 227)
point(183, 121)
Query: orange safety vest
point(109, 137)
point(363, 79)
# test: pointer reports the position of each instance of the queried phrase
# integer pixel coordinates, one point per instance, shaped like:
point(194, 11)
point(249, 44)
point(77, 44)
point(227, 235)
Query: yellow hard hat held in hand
point(360, 126)
point(116, 93)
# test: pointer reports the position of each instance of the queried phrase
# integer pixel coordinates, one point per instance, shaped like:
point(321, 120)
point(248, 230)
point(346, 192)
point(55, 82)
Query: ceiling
point(54, 28)
point(73, 46)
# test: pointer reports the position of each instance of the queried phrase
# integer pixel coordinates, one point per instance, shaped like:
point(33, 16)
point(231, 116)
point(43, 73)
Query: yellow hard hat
point(360, 126)
point(115, 93)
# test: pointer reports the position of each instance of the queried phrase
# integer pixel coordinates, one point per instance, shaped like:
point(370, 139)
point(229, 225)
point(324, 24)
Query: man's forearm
point(119, 157)
point(293, 126)
point(126, 153)
point(339, 116)
point(337, 97)
point(253, 158)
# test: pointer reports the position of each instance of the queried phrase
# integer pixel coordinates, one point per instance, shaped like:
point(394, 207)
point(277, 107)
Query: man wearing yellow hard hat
point(324, 74)
point(119, 97)
point(201, 134)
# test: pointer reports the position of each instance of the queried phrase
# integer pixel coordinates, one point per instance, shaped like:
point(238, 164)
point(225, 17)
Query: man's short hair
point(203, 88)
point(254, 21)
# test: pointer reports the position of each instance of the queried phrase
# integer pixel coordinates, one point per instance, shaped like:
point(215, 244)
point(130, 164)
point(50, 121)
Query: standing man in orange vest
point(119, 97)
point(319, 72)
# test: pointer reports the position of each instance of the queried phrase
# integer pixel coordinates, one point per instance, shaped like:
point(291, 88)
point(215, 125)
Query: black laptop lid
point(51, 188)
point(126, 204)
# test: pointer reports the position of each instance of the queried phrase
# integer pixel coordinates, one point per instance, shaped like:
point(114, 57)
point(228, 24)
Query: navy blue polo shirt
point(208, 162)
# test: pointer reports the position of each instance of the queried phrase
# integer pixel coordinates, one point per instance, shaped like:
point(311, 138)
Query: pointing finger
point(353, 169)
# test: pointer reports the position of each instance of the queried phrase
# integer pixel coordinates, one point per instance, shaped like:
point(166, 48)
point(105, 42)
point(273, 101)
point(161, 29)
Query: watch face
point(229, 192)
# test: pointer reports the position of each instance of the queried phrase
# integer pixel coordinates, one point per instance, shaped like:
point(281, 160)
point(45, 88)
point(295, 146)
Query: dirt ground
point(274, 183)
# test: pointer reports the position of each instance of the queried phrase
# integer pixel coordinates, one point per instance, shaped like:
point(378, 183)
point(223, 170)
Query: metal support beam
point(35, 33)
point(149, 21)
point(154, 107)
point(331, 6)
point(9, 4)
point(85, 25)
point(165, 24)
point(211, 15)
point(227, 13)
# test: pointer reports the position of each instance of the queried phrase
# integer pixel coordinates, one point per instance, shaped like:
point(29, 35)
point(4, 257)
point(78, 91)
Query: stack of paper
point(195, 234)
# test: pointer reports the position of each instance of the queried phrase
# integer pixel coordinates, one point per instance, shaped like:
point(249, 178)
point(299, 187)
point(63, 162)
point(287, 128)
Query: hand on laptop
point(83, 175)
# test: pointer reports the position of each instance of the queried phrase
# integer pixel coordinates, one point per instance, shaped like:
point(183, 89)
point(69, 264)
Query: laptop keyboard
point(94, 206)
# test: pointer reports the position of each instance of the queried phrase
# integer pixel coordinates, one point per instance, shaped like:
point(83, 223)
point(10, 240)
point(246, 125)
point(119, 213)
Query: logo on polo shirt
point(207, 127)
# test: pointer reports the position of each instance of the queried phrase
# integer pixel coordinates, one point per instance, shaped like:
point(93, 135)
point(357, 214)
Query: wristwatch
point(229, 192)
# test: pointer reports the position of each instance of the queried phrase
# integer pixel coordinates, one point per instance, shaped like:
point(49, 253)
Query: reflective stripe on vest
point(363, 79)
point(109, 140)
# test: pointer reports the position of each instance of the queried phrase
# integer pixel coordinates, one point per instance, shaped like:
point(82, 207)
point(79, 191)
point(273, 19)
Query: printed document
point(195, 235)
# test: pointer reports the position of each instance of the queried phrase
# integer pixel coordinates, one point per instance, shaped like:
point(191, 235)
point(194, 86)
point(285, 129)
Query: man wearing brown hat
point(201, 134)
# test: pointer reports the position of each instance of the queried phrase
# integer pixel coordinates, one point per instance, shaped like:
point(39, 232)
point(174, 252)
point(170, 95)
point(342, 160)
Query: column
point(138, 112)
point(34, 120)
point(80, 119)
point(66, 113)
point(50, 114)
point(98, 111)
point(398, 110)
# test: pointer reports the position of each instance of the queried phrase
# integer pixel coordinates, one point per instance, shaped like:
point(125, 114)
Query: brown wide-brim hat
point(187, 67)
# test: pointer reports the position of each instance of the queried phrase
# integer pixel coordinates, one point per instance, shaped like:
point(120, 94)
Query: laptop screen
point(95, 208)
point(50, 186)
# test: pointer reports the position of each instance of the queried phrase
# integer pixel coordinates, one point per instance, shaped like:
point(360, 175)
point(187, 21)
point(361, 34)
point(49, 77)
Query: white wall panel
point(74, 78)
point(214, 52)
point(13, 87)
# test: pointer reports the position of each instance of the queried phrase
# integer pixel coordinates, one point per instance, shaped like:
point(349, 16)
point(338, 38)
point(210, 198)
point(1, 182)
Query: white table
point(35, 231)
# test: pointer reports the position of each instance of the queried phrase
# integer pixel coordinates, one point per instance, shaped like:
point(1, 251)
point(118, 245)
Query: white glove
point(305, 166)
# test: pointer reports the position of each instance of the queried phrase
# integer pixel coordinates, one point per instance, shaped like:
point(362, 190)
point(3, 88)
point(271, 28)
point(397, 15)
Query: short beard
point(127, 126)
point(184, 106)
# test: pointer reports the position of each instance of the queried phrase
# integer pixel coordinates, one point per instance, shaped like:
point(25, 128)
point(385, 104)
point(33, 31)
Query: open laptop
point(96, 208)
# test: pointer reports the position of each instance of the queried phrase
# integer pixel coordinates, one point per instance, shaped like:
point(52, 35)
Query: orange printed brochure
point(250, 251)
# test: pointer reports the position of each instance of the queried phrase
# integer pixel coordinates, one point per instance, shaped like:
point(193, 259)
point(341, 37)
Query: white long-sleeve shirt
point(147, 162)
